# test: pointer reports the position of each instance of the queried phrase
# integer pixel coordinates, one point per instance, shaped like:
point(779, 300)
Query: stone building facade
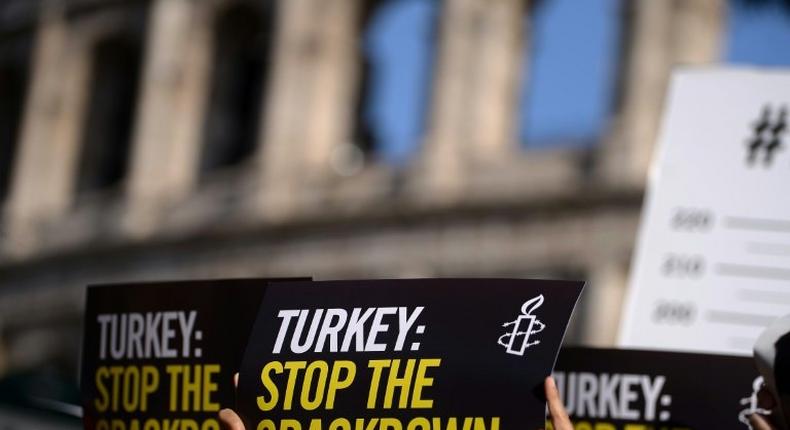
point(293, 201)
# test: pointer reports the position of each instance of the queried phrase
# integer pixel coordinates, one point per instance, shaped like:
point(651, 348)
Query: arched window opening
point(570, 68)
point(14, 70)
point(396, 45)
point(758, 32)
point(242, 40)
point(109, 119)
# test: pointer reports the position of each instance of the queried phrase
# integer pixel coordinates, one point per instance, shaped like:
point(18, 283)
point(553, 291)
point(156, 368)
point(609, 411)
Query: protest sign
point(421, 354)
point(609, 389)
point(163, 355)
point(711, 265)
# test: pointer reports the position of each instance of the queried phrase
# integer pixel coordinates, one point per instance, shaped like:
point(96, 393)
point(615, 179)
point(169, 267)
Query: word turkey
point(357, 332)
point(147, 335)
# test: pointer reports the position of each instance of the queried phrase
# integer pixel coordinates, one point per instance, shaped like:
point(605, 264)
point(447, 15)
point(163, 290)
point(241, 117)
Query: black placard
point(609, 389)
point(465, 354)
point(163, 355)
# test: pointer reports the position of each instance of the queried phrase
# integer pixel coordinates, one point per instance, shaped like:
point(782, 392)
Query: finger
point(230, 420)
point(236, 379)
point(759, 423)
point(558, 415)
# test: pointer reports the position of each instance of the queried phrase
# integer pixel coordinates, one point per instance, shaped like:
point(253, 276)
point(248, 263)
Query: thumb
point(230, 420)
point(759, 423)
point(559, 418)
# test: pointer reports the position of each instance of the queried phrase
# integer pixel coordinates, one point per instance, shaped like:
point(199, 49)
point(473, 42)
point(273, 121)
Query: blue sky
point(400, 45)
point(758, 35)
point(567, 93)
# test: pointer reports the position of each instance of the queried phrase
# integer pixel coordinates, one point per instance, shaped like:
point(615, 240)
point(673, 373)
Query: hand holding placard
point(403, 355)
point(443, 354)
point(559, 418)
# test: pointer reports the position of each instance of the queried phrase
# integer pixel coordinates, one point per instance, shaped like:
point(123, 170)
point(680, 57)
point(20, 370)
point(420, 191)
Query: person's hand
point(762, 419)
point(758, 422)
point(230, 420)
point(559, 418)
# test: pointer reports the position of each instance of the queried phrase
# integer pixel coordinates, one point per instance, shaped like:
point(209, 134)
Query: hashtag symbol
point(767, 137)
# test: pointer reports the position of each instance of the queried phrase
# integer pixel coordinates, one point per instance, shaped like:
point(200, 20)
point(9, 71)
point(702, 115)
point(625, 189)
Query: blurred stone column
point(603, 302)
point(476, 87)
point(49, 140)
point(165, 149)
point(662, 34)
point(310, 108)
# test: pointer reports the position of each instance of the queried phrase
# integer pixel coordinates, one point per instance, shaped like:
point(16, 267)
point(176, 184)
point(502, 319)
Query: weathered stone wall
point(471, 204)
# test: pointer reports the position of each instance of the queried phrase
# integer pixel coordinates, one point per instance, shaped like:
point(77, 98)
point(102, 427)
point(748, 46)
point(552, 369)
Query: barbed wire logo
point(767, 136)
point(752, 404)
point(517, 340)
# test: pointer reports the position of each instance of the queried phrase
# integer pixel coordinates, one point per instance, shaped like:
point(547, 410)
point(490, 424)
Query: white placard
point(712, 263)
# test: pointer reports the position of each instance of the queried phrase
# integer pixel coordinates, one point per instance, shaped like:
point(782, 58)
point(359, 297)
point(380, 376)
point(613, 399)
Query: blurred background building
point(172, 139)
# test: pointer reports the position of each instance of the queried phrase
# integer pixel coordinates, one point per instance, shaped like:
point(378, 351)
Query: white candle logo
point(517, 340)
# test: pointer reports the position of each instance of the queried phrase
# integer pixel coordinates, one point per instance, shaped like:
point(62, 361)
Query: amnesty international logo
point(752, 404)
point(517, 339)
